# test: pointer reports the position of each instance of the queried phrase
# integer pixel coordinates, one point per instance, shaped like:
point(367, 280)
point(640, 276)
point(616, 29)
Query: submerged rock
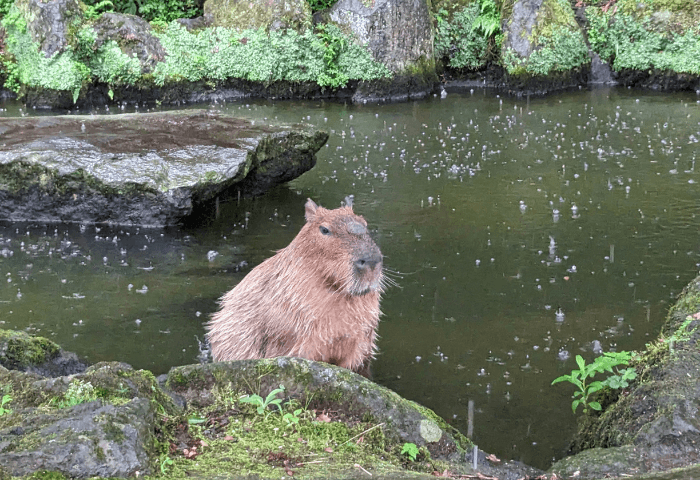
point(142, 169)
point(654, 425)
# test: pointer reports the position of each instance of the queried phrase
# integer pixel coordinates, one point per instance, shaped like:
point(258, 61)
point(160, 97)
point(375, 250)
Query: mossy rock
point(268, 15)
point(657, 416)
point(323, 385)
point(19, 350)
point(542, 37)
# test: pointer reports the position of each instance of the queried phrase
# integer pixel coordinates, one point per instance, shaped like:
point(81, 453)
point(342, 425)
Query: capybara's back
point(318, 298)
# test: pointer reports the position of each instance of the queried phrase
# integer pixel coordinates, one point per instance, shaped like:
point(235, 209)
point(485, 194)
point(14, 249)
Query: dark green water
point(522, 232)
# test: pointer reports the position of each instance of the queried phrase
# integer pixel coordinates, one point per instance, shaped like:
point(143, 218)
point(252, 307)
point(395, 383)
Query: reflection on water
point(522, 232)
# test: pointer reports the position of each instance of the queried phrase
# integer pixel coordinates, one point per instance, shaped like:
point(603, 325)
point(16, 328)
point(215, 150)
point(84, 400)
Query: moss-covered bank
point(266, 419)
point(653, 424)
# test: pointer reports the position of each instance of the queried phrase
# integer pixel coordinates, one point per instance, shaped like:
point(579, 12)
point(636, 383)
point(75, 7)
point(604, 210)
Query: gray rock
point(323, 386)
point(87, 440)
point(519, 31)
point(267, 14)
point(142, 169)
point(399, 33)
point(193, 24)
point(51, 22)
point(133, 35)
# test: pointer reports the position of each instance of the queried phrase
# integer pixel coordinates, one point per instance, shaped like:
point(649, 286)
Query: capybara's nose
point(368, 262)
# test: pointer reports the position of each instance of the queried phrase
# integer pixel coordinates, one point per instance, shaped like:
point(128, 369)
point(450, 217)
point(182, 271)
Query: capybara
point(317, 298)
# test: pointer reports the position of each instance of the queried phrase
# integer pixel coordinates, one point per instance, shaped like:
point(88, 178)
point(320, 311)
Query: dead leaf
point(203, 443)
point(229, 438)
point(360, 440)
point(328, 449)
point(493, 458)
point(323, 418)
point(444, 473)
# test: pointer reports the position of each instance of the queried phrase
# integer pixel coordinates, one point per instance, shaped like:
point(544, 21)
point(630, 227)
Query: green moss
point(19, 176)
point(638, 37)
point(20, 350)
point(219, 54)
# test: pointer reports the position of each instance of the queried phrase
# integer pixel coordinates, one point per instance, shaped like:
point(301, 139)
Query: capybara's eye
point(324, 230)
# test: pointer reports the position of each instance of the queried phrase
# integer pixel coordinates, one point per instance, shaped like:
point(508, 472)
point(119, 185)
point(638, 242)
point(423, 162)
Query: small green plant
point(608, 362)
point(261, 404)
point(78, 392)
point(292, 418)
point(7, 398)
point(682, 333)
point(410, 450)
point(195, 420)
point(165, 462)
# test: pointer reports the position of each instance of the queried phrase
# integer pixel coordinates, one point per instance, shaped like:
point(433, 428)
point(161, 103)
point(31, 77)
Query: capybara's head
point(337, 243)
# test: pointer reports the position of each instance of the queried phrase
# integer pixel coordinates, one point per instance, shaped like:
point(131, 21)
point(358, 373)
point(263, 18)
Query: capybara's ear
point(310, 208)
point(349, 200)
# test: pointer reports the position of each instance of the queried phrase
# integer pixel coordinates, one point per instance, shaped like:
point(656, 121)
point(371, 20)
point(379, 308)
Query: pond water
point(522, 233)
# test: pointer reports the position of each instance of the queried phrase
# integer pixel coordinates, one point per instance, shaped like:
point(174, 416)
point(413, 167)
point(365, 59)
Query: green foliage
point(161, 10)
point(631, 43)
point(261, 404)
point(608, 362)
point(5, 6)
point(165, 462)
point(94, 11)
point(410, 450)
point(563, 50)
point(461, 39)
point(256, 55)
point(6, 398)
point(78, 392)
point(683, 333)
point(488, 22)
point(318, 5)
point(334, 44)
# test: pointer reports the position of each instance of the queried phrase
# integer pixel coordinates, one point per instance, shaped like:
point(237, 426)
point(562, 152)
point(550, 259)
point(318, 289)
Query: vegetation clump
point(465, 38)
point(639, 38)
point(328, 58)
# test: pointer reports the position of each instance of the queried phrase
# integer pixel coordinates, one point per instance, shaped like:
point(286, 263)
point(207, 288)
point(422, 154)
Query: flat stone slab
point(151, 169)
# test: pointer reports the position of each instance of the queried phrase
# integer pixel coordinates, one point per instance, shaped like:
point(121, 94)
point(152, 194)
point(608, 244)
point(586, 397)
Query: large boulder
point(142, 169)
point(398, 34)
point(99, 423)
point(654, 425)
point(51, 22)
point(543, 41)
point(134, 36)
point(267, 14)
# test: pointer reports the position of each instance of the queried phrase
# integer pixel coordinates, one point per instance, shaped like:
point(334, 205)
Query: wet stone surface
point(141, 169)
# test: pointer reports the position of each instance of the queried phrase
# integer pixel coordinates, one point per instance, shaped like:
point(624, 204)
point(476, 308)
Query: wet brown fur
point(317, 298)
